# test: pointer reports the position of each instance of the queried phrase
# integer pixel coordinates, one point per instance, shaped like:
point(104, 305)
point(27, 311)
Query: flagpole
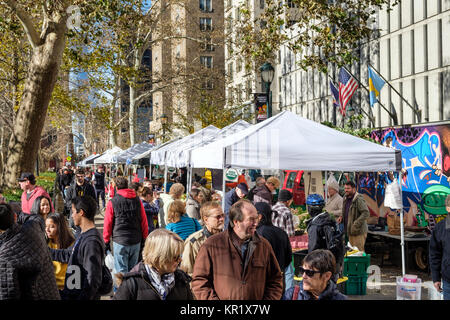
point(390, 114)
point(417, 111)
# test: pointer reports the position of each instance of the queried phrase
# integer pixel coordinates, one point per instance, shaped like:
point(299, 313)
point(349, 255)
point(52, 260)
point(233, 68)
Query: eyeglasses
point(218, 216)
point(309, 273)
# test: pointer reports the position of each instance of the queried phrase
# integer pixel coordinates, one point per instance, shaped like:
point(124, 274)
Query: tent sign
point(231, 174)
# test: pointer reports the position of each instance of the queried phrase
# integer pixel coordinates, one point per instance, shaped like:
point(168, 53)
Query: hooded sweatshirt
point(125, 219)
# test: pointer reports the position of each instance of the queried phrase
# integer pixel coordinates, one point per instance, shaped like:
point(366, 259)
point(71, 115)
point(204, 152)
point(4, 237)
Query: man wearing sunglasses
point(317, 272)
point(213, 218)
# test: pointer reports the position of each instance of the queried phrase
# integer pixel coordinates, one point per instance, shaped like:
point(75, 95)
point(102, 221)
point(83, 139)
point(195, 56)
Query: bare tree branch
point(25, 19)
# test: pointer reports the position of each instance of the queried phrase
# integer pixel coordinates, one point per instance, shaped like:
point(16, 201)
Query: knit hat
point(243, 187)
point(332, 183)
point(284, 195)
point(265, 210)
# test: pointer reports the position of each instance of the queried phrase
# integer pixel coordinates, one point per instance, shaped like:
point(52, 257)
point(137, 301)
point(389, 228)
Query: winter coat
point(86, 256)
point(262, 194)
point(99, 180)
point(358, 213)
point(280, 243)
point(321, 229)
point(440, 251)
point(330, 293)
point(151, 211)
point(334, 205)
point(28, 200)
point(193, 209)
point(136, 285)
point(26, 269)
point(125, 219)
point(192, 245)
point(23, 218)
point(221, 273)
point(75, 190)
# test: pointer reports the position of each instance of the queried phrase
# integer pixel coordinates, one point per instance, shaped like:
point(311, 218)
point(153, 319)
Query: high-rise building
point(189, 66)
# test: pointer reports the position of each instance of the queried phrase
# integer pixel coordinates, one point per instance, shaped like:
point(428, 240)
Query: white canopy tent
point(289, 142)
point(107, 156)
point(132, 151)
point(84, 162)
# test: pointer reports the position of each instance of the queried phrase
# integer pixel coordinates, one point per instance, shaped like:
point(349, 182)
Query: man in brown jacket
point(237, 264)
point(355, 214)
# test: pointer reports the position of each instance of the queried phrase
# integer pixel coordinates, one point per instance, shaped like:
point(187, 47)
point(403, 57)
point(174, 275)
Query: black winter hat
point(284, 195)
point(265, 210)
point(243, 187)
point(27, 176)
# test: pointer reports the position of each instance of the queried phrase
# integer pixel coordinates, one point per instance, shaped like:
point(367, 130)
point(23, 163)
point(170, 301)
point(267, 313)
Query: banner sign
point(261, 106)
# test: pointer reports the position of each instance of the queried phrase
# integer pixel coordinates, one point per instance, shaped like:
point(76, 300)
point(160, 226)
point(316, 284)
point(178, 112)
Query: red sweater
point(109, 216)
point(27, 204)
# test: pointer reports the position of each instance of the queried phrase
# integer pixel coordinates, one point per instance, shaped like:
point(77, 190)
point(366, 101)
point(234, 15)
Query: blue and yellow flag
point(375, 85)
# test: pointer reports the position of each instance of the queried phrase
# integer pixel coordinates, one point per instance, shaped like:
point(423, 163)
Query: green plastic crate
point(356, 285)
point(356, 266)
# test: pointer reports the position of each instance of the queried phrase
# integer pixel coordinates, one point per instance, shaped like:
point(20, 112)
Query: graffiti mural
point(426, 167)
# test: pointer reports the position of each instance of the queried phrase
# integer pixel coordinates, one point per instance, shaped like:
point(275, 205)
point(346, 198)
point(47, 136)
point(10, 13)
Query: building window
point(207, 44)
point(248, 89)
point(206, 61)
point(291, 4)
point(239, 65)
point(205, 24)
point(238, 14)
point(230, 71)
point(239, 93)
point(261, 4)
point(208, 84)
point(206, 5)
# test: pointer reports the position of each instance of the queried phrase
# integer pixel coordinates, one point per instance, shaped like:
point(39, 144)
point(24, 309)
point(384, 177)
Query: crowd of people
point(166, 247)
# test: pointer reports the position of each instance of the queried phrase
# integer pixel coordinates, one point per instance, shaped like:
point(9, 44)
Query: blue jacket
point(185, 227)
point(151, 211)
point(230, 198)
point(331, 293)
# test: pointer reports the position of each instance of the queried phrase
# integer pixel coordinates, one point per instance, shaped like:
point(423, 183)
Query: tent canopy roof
point(106, 157)
point(132, 151)
point(289, 142)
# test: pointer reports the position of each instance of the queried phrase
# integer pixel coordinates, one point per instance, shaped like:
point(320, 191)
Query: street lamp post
point(267, 73)
point(351, 113)
point(164, 118)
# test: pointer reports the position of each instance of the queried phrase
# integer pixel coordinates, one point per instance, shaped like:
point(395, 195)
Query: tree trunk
point(42, 75)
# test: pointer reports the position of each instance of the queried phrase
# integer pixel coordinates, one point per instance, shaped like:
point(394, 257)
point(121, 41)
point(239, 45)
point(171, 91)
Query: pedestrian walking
point(85, 257)
point(260, 181)
point(282, 216)
point(180, 222)
point(26, 270)
point(440, 254)
point(126, 225)
point(98, 179)
point(175, 193)
point(59, 237)
point(194, 202)
point(31, 191)
point(265, 192)
point(279, 241)
point(233, 196)
point(237, 264)
point(334, 202)
point(157, 277)
point(213, 222)
point(317, 272)
point(151, 207)
point(355, 214)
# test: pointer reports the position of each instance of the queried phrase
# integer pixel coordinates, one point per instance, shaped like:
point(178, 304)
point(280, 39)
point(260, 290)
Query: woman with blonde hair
point(180, 222)
point(157, 277)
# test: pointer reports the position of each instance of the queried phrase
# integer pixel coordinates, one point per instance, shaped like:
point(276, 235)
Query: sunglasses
point(309, 273)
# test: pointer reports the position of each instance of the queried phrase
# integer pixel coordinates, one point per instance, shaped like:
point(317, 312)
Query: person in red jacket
point(31, 191)
point(126, 225)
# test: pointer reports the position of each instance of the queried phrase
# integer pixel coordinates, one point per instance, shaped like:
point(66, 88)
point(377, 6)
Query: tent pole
point(165, 179)
point(223, 182)
point(326, 185)
point(402, 233)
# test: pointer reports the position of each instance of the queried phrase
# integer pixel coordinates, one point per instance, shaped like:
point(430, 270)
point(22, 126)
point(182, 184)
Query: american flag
point(347, 87)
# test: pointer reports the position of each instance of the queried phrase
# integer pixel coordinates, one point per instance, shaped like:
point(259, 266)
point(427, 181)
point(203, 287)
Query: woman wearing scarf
point(157, 277)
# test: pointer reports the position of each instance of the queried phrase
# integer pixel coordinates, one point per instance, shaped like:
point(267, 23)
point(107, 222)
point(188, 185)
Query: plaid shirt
point(283, 219)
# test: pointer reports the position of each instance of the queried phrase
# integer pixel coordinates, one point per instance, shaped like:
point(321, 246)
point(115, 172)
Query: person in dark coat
point(157, 277)
point(233, 196)
point(85, 257)
point(98, 179)
point(78, 188)
point(440, 254)
point(26, 269)
point(277, 237)
point(323, 231)
point(317, 271)
point(260, 181)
